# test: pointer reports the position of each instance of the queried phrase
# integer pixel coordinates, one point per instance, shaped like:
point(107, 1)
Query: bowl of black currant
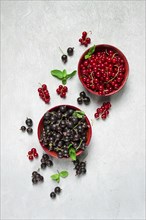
point(64, 131)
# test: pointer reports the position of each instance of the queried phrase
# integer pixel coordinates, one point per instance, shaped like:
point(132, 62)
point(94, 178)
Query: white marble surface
point(31, 32)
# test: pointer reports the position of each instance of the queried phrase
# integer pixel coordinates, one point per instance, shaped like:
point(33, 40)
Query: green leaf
point(90, 52)
point(71, 74)
point(70, 145)
point(63, 174)
point(64, 73)
point(79, 114)
point(64, 81)
point(55, 177)
point(58, 74)
point(72, 153)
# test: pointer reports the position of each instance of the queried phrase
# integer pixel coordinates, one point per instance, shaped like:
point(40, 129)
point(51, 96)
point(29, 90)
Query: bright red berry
point(30, 157)
point(44, 86)
point(88, 40)
point(29, 153)
point(96, 115)
point(33, 150)
point(36, 155)
point(84, 34)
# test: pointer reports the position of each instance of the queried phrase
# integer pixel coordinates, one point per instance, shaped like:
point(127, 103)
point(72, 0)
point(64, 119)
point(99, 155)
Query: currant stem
point(115, 75)
point(61, 50)
point(114, 55)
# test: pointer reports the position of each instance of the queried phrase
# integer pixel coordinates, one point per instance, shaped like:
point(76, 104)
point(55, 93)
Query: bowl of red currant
point(103, 70)
point(64, 131)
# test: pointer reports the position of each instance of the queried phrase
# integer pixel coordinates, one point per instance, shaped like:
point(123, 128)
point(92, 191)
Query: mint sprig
point(63, 75)
point(90, 52)
point(79, 114)
point(57, 176)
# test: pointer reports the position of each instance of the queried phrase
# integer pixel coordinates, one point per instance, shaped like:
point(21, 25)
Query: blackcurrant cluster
point(45, 161)
point(29, 123)
point(36, 177)
point(57, 190)
point(44, 93)
point(70, 52)
point(84, 40)
point(83, 98)
point(62, 128)
point(80, 167)
point(62, 90)
point(103, 111)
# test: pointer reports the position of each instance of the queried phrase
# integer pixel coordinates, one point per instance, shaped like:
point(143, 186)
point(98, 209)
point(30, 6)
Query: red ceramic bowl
point(53, 153)
point(101, 48)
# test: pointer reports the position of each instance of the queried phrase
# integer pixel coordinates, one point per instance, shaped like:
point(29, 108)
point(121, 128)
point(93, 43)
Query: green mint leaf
point(64, 73)
point(55, 177)
point(71, 74)
point(58, 180)
point(58, 74)
point(64, 81)
point(70, 145)
point(90, 52)
point(79, 114)
point(72, 153)
point(63, 174)
point(87, 56)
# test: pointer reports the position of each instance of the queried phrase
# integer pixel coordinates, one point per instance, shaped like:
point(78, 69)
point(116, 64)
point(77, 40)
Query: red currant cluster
point(103, 72)
point(62, 90)
point(103, 111)
point(85, 40)
point(32, 154)
point(44, 93)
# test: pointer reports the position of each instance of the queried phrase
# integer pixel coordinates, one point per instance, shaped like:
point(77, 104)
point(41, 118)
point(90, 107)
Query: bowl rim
point(53, 153)
point(126, 65)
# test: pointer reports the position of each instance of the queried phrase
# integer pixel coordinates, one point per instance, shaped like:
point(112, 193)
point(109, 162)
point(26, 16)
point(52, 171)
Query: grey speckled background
point(31, 32)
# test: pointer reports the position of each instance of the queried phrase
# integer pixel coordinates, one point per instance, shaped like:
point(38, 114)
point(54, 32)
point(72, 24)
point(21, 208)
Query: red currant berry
point(84, 34)
point(33, 150)
point(30, 157)
point(58, 91)
point(96, 115)
point(88, 40)
point(65, 89)
point(44, 87)
point(40, 90)
point(29, 153)
point(103, 116)
point(36, 155)
point(60, 87)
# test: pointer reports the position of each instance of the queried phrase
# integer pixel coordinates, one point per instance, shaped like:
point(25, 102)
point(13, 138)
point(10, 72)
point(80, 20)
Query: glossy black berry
point(43, 165)
point(57, 190)
point(34, 180)
point(46, 156)
point(83, 164)
point(23, 128)
point(79, 100)
point(64, 58)
point(52, 195)
point(60, 154)
point(29, 122)
point(86, 100)
point(34, 173)
point(70, 51)
point(29, 130)
point(49, 163)
point(63, 108)
point(82, 94)
point(83, 170)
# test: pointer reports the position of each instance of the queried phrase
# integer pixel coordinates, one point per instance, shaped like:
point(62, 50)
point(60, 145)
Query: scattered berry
point(64, 58)
point(80, 167)
point(23, 128)
point(103, 111)
point(52, 195)
point(29, 130)
point(44, 93)
point(57, 190)
point(36, 177)
point(70, 51)
point(45, 161)
point(83, 99)
point(62, 90)
point(29, 122)
point(30, 157)
point(85, 40)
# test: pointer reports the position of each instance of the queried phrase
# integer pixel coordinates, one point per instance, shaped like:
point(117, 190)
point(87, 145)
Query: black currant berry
point(29, 122)
point(57, 190)
point(34, 180)
point(82, 94)
point(43, 165)
point(79, 100)
point(64, 58)
point(86, 100)
point(70, 51)
point(23, 128)
point(49, 163)
point(29, 130)
point(52, 195)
